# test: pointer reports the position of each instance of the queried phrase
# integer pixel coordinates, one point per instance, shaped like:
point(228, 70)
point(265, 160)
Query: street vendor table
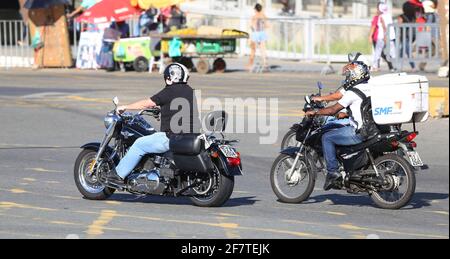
point(204, 47)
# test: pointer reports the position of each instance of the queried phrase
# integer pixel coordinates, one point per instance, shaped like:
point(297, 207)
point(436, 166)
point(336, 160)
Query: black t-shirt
point(179, 112)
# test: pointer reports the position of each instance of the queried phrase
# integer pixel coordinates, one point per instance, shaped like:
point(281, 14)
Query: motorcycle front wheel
point(399, 182)
point(299, 186)
point(289, 140)
point(87, 182)
point(215, 190)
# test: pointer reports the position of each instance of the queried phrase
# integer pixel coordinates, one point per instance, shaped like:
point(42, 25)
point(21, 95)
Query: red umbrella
point(108, 11)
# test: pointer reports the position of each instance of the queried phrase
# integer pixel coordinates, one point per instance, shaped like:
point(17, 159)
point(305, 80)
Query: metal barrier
point(15, 50)
point(413, 43)
point(306, 39)
point(296, 38)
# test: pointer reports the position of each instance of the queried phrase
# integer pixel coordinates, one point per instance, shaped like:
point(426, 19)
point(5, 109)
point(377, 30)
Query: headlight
point(109, 119)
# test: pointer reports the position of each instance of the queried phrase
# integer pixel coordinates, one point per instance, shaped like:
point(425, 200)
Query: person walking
point(378, 37)
point(258, 36)
point(407, 36)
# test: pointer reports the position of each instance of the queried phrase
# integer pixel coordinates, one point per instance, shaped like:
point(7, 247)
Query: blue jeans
point(345, 136)
point(154, 144)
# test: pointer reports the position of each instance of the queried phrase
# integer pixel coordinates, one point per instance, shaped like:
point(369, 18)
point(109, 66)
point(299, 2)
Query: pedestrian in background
point(258, 36)
point(407, 36)
point(378, 37)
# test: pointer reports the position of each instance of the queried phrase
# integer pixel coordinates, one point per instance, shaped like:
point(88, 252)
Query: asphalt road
point(46, 115)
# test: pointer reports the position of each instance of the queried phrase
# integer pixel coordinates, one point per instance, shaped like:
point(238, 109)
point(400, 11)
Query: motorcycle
point(199, 166)
point(377, 166)
point(289, 139)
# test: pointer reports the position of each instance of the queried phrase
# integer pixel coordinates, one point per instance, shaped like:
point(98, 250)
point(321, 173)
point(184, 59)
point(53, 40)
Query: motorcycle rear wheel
point(398, 172)
point(218, 196)
point(87, 185)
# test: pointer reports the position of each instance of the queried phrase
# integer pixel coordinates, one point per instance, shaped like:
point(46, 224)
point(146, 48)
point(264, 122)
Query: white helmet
point(176, 73)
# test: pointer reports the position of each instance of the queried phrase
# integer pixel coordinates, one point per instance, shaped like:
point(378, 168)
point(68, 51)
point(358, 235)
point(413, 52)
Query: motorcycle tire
point(281, 196)
point(288, 138)
point(410, 190)
point(82, 185)
point(225, 189)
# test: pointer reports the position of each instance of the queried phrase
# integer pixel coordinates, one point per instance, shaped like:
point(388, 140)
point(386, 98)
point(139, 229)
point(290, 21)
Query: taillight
point(234, 161)
point(411, 136)
point(413, 144)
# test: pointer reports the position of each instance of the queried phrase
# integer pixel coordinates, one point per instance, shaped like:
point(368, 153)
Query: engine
point(148, 182)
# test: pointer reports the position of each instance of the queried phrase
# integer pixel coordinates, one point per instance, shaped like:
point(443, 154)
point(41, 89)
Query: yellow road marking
point(336, 213)
point(17, 191)
point(227, 215)
point(52, 182)
point(268, 230)
point(230, 228)
point(38, 169)
point(97, 227)
point(66, 197)
point(56, 222)
point(87, 99)
point(29, 179)
point(351, 227)
point(113, 202)
point(9, 205)
point(441, 212)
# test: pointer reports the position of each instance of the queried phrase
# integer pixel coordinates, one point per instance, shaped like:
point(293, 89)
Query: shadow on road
point(419, 200)
point(129, 198)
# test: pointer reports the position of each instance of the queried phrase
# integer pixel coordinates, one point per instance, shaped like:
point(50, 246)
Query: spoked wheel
point(296, 188)
point(289, 140)
point(214, 190)
point(399, 182)
point(87, 182)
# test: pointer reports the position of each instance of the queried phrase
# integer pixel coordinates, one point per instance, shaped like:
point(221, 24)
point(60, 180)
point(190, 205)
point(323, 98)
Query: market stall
point(186, 44)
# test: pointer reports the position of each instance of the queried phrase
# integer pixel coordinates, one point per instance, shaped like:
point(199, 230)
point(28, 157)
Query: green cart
point(135, 52)
point(202, 47)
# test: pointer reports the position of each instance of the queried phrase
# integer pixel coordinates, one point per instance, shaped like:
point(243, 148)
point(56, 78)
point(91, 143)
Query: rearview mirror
point(116, 100)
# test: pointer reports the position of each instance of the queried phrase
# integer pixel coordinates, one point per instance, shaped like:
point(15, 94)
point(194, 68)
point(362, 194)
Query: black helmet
point(176, 73)
point(355, 72)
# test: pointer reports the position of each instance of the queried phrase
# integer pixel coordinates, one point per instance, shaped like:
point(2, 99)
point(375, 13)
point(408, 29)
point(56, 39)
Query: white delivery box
point(399, 98)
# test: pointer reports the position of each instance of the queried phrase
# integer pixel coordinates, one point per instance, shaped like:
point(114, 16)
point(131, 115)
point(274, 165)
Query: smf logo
point(396, 109)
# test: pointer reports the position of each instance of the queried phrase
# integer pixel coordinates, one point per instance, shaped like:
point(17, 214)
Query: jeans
point(345, 136)
point(154, 144)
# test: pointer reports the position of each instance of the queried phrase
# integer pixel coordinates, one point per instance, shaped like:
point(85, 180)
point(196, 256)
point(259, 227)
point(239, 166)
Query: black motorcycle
point(377, 166)
point(200, 166)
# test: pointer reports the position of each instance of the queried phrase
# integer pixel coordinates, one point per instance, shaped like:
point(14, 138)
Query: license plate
point(228, 151)
point(414, 158)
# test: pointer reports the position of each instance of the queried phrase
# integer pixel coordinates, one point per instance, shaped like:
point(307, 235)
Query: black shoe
point(114, 178)
point(330, 179)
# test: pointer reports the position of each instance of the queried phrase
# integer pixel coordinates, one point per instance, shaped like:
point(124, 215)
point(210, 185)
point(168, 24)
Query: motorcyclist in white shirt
point(357, 75)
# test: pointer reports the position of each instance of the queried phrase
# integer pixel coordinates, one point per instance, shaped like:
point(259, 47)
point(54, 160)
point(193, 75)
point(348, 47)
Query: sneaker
point(330, 179)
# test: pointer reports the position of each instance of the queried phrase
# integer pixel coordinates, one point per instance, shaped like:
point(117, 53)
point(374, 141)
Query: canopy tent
point(108, 11)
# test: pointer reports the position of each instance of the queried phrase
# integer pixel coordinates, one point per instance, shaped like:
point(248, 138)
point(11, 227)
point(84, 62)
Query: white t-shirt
point(352, 100)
